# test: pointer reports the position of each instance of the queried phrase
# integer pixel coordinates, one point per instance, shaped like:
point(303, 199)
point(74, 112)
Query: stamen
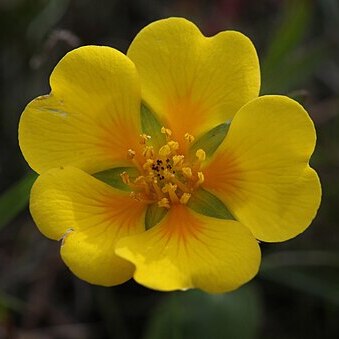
point(164, 202)
point(187, 172)
point(178, 161)
point(170, 189)
point(157, 189)
point(165, 150)
point(200, 180)
point(140, 197)
point(184, 198)
point(181, 185)
point(140, 180)
point(148, 165)
point(130, 154)
point(167, 174)
point(148, 152)
point(125, 178)
point(166, 131)
point(188, 137)
point(136, 196)
point(174, 145)
point(144, 138)
point(200, 154)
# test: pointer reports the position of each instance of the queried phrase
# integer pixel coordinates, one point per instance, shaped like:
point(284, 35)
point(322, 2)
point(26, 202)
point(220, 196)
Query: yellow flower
point(137, 177)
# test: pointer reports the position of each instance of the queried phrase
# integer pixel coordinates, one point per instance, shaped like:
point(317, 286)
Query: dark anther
point(167, 160)
point(162, 167)
point(162, 177)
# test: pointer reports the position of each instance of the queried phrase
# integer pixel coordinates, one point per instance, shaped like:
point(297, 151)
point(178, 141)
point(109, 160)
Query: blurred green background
point(295, 295)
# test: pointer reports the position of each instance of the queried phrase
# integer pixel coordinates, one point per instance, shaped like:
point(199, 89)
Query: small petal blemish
point(65, 235)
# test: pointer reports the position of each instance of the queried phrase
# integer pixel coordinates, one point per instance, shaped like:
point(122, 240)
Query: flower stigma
point(166, 176)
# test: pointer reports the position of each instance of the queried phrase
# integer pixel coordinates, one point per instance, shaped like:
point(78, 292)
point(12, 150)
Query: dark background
point(295, 295)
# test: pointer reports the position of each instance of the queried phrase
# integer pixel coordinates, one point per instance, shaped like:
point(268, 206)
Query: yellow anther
point(188, 137)
point(165, 150)
point(150, 176)
point(130, 154)
point(167, 174)
point(178, 161)
point(164, 202)
point(187, 172)
point(184, 198)
point(144, 138)
point(174, 145)
point(166, 131)
point(125, 178)
point(200, 154)
point(170, 189)
point(140, 180)
point(201, 178)
point(136, 196)
point(148, 152)
point(148, 165)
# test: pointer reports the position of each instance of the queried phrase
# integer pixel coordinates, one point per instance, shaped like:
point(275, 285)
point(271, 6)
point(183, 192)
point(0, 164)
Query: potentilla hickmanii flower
point(164, 165)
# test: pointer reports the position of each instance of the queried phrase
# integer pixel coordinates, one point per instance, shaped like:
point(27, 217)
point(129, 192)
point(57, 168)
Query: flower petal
point(187, 250)
point(192, 82)
point(91, 117)
point(89, 216)
point(261, 170)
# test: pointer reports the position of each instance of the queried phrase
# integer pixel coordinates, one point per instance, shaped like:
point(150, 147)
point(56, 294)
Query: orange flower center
point(166, 176)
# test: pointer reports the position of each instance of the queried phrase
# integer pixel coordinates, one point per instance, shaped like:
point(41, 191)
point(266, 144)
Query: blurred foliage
point(15, 199)
point(195, 314)
point(296, 293)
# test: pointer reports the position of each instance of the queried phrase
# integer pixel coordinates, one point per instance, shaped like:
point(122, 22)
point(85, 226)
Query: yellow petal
point(261, 170)
point(91, 117)
point(89, 216)
point(191, 81)
point(188, 250)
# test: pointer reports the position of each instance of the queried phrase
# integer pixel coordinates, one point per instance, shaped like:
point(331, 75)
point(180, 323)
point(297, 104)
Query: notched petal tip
point(193, 82)
point(90, 115)
point(261, 170)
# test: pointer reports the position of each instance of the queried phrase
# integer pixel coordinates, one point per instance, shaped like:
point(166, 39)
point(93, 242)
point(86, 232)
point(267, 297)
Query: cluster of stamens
point(159, 167)
point(166, 176)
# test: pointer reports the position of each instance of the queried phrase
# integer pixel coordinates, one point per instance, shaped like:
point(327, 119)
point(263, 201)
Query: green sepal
point(112, 177)
point(211, 140)
point(151, 126)
point(154, 215)
point(208, 204)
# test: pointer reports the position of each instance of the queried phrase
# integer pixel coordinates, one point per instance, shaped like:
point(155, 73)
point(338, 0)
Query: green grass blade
point(15, 199)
